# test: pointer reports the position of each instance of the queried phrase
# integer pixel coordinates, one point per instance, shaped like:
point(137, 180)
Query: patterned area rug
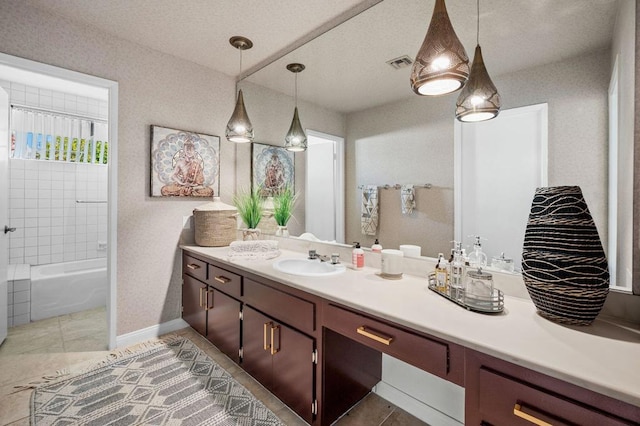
point(173, 383)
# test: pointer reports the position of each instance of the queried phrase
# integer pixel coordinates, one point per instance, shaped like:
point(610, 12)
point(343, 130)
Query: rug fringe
point(111, 357)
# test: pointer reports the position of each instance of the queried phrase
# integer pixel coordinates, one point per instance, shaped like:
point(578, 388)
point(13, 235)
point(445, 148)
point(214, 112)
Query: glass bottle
point(442, 274)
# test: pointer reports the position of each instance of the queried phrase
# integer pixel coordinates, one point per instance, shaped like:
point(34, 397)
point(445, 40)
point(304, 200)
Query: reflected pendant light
point(442, 64)
point(479, 99)
point(239, 128)
point(296, 139)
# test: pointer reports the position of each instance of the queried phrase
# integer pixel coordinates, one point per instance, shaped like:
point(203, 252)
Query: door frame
point(338, 180)
point(112, 167)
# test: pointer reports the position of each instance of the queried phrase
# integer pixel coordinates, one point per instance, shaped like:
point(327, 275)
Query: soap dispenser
point(477, 258)
point(357, 256)
point(376, 247)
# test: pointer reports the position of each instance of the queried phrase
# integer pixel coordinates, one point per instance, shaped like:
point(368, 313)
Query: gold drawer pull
point(209, 306)
point(382, 339)
point(202, 289)
point(266, 345)
point(273, 345)
point(193, 266)
point(222, 279)
point(517, 410)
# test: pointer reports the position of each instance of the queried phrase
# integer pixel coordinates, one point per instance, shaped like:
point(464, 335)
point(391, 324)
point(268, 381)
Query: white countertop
point(603, 357)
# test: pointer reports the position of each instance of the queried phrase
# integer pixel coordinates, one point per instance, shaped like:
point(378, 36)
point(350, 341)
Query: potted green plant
point(283, 203)
point(250, 207)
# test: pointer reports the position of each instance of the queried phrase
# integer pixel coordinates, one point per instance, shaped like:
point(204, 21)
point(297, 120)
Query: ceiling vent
point(400, 62)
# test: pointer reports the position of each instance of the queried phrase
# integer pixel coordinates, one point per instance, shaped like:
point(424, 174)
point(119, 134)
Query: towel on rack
point(407, 198)
point(369, 208)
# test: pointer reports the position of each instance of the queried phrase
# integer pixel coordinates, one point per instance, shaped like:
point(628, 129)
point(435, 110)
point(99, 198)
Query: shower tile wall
point(51, 226)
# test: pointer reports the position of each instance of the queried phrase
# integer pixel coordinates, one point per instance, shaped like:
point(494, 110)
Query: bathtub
point(64, 288)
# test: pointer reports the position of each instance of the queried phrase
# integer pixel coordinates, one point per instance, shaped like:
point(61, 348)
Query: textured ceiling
point(345, 68)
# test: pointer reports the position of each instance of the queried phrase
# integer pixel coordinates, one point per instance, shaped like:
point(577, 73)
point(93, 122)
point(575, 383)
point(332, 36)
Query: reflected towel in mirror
point(407, 198)
point(369, 217)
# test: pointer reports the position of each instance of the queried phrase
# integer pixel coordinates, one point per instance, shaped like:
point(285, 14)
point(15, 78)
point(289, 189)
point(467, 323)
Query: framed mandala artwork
point(184, 164)
point(272, 168)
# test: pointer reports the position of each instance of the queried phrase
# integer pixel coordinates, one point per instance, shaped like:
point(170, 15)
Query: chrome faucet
point(324, 258)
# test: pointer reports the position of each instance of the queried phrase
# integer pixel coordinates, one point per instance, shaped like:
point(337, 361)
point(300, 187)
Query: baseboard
point(150, 332)
point(414, 407)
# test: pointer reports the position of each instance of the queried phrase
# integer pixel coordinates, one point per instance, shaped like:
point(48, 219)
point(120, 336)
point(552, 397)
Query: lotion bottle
point(357, 256)
point(376, 247)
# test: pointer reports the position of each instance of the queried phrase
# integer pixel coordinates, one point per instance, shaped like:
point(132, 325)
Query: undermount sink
point(308, 267)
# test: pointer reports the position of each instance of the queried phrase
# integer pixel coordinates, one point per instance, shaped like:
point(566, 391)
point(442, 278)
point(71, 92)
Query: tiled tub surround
point(51, 226)
point(577, 355)
point(18, 294)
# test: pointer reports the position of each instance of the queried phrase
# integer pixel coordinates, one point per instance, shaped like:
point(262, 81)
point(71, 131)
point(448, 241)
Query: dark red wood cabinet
point(281, 358)
point(223, 323)
point(500, 393)
point(194, 310)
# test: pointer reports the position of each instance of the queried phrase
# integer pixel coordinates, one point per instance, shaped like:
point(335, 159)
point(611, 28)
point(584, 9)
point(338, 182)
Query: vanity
point(317, 344)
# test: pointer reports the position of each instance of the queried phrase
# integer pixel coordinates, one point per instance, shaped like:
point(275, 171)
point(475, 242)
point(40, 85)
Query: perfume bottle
point(457, 273)
point(477, 258)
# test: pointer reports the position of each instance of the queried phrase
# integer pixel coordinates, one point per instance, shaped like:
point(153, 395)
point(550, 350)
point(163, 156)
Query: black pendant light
point(296, 139)
point(479, 99)
point(239, 127)
point(442, 64)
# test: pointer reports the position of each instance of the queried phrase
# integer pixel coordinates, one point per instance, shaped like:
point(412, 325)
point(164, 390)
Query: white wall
point(412, 142)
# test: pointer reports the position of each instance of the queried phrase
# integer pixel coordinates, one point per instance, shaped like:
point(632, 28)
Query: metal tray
point(493, 304)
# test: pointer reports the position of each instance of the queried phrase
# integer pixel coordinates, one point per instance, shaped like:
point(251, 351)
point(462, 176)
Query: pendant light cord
point(296, 90)
point(478, 24)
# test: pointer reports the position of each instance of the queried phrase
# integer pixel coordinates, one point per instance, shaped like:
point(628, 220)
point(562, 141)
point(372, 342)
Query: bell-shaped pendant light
point(479, 99)
point(296, 139)
point(239, 127)
point(442, 64)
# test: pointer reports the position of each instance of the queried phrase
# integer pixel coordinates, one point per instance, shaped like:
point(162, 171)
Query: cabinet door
point(193, 304)
point(293, 369)
point(223, 323)
point(256, 349)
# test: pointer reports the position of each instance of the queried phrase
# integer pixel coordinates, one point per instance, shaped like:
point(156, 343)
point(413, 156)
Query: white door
point(4, 209)
point(499, 165)
point(324, 188)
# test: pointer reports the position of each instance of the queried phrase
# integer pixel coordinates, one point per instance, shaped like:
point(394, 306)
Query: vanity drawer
point(427, 354)
point(194, 267)
point(505, 400)
point(225, 281)
point(284, 307)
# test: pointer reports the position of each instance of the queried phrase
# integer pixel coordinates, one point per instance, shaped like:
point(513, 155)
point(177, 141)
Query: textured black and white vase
point(563, 264)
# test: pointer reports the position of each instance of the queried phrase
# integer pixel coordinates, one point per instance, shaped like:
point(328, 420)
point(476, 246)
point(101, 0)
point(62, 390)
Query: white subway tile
point(17, 233)
point(81, 237)
point(31, 89)
point(44, 240)
point(22, 285)
point(17, 259)
point(57, 225)
point(30, 184)
point(58, 103)
point(92, 254)
point(16, 243)
point(57, 176)
point(18, 222)
point(81, 247)
point(30, 232)
point(70, 106)
point(30, 242)
point(56, 203)
point(31, 203)
point(20, 319)
point(30, 194)
point(44, 250)
point(30, 213)
point(44, 231)
point(18, 96)
point(16, 193)
point(44, 259)
point(44, 221)
point(57, 248)
point(81, 255)
point(16, 213)
point(20, 308)
point(30, 165)
point(17, 203)
point(45, 183)
point(16, 252)
point(45, 92)
point(20, 297)
point(57, 95)
point(18, 86)
point(44, 203)
point(69, 256)
point(32, 99)
point(45, 101)
point(57, 213)
point(57, 257)
point(17, 183)
point(16, 172)
point(56, 193)
point(31, 222)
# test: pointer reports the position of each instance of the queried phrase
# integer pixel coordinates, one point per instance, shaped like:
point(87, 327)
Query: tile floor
point(35, 350)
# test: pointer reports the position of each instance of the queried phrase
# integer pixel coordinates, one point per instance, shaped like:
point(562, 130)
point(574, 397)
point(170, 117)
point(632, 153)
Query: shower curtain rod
point(398, 186)
point(59, 113)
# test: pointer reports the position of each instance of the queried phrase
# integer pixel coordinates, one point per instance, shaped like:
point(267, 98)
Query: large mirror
point(555, 53)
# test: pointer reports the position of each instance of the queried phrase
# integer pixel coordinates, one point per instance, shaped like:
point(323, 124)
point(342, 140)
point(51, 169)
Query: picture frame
point(272, 168)
point(184, 163)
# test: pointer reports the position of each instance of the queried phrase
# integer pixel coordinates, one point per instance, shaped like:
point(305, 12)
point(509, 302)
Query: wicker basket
point(215, 224)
